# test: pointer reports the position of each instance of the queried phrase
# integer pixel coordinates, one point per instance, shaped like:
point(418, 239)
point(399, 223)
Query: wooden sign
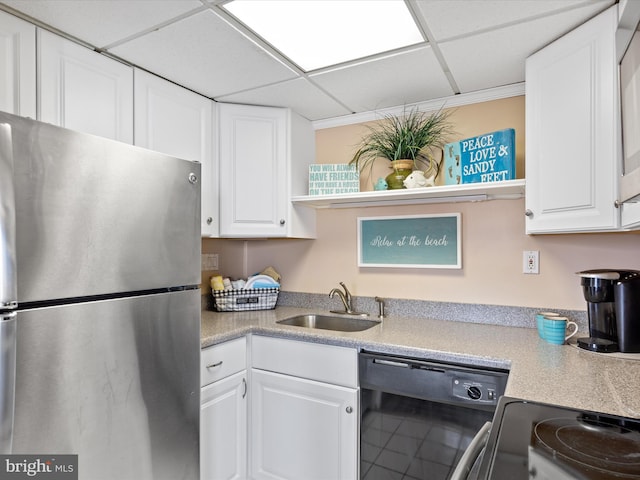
point(413, 241)
point(486, 158)
point(333, 179)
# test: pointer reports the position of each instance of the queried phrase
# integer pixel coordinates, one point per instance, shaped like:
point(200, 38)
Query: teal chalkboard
point(417, 241)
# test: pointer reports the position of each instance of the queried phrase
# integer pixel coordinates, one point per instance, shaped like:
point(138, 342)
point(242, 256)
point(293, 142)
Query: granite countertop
point(557, 374)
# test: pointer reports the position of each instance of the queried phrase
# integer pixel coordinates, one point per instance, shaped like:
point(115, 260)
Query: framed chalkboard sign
point(411, 241)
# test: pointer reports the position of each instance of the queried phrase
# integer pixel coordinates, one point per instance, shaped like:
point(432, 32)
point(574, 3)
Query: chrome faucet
point(380, 301)
point(346, 300)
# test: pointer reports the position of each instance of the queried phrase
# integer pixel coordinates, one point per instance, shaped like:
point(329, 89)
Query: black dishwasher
point(418, 416)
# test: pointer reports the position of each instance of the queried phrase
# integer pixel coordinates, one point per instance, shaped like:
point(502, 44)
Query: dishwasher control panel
point(430, 380)
point(471, 390)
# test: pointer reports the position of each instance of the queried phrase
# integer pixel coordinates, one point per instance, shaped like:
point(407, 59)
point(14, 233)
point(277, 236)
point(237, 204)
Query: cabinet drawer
point(222, 360)
point(324, 363)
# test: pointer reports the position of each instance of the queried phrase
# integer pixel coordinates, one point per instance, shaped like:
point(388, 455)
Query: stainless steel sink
point(328, 322)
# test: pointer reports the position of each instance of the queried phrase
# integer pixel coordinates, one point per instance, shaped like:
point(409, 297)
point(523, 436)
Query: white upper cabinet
point(572, 128)
point(84, 90)
point(265, 154)
point(173, 120)
point(628, 48)
point(17, 66)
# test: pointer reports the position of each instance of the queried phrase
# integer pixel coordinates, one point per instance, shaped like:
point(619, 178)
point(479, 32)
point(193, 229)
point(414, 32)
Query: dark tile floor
point(409, 439)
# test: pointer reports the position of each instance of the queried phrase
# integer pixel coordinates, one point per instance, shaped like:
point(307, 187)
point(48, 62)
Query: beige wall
point(337, 145)
point(493, 238)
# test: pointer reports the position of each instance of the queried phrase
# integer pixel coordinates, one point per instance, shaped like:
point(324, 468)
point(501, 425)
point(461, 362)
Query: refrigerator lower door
point(115, 382)
point(7, 378)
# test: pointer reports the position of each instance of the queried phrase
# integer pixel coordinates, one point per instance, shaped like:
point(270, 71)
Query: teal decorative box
point(333, 179)
point(486, 158)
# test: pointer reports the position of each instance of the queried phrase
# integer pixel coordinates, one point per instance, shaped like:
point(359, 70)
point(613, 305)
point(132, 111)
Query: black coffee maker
point(613, 309)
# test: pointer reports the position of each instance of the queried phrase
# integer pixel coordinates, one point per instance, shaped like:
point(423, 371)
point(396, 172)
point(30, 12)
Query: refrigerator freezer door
point(95, 216)
point(115, 382)
point(8, 286)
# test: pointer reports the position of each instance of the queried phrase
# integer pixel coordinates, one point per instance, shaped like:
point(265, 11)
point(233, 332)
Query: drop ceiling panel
point(483, 44)
point(300, 95)
point(103, 22)
point(497, 57)
point(448, 20)
point(399, 79)
point(206, 54)
point(299, 28)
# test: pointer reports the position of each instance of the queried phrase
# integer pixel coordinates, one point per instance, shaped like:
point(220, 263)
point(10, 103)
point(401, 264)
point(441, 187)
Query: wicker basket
point(244, 300)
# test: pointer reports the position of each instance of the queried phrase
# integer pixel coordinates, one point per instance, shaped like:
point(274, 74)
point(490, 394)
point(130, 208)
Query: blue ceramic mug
point(555, 329)
point(539, 321)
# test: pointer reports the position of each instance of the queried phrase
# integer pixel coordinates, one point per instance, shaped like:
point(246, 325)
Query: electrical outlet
point(531, 261)
point(209, 262)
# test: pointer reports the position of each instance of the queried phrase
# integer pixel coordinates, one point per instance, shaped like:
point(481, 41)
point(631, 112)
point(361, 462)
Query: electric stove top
point(537, 441)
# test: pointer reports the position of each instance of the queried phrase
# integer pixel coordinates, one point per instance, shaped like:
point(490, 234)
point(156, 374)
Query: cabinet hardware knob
point(349, 409)
point(209, 220)
point(617, 203)
point(193, 178)
point(282, 222)
point(213, 365)
point(528, 213)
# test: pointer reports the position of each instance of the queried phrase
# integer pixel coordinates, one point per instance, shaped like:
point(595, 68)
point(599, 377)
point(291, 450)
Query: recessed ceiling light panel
point(319, 33)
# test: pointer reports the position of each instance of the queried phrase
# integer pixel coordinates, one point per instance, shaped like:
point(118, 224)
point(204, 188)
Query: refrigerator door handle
point(8, 282)
point(7, 379)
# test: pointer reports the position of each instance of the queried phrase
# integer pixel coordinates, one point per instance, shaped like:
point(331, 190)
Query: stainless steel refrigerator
point(99, 303)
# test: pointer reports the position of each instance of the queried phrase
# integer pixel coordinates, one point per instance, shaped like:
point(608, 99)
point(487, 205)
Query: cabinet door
point(223, 429)
point(83, 90)
point(173, 120)
point(253, 170)
point(302, 429)
point(572, 129)
point(17, 66)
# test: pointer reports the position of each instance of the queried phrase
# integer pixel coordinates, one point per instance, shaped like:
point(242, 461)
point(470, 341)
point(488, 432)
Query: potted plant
point(407, 142)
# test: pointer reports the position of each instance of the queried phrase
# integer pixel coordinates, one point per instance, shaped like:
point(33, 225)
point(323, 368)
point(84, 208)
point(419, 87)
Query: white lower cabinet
point(304, 411)
point(294, 415)
point(223, 436)
point(223, 411)
point(302, 428)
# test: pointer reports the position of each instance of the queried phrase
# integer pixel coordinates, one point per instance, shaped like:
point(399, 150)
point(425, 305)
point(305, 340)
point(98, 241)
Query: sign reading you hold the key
point(486, 158)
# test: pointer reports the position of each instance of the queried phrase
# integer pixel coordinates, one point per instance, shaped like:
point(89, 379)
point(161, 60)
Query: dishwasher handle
point(390, 363)
point(471, 454)
point(407, 364)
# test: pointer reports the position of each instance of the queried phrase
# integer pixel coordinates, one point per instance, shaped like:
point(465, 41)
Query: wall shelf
point(472, 192)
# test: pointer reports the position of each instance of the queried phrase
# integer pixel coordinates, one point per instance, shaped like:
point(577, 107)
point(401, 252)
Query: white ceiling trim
point(507, 91)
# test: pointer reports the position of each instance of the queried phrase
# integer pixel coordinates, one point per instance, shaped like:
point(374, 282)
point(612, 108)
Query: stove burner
point(591, 446)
